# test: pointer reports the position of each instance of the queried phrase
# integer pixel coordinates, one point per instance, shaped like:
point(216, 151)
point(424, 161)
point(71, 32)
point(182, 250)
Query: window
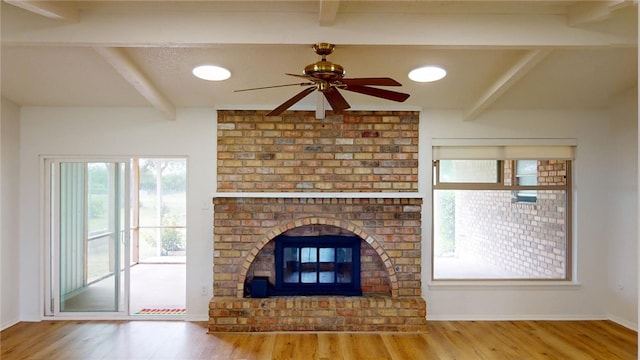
point(469, 171)
point(526, 175)
point(501, 219)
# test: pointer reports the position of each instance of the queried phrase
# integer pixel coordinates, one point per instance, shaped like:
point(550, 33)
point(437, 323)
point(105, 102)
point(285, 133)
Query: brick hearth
point(318, 313)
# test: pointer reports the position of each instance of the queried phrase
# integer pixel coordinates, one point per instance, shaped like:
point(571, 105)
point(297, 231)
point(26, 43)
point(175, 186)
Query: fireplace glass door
point(316, 265)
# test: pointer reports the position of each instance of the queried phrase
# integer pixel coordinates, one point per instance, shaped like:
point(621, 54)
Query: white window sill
point(502, 285)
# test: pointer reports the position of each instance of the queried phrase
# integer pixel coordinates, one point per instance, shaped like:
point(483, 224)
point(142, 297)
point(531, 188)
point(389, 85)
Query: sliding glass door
point(88, 236)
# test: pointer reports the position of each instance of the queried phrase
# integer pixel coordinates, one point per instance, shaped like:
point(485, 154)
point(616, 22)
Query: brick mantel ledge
point(323, 195)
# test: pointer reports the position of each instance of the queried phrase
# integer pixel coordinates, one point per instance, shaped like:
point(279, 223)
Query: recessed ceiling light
point(211, 72)
point(427, 74)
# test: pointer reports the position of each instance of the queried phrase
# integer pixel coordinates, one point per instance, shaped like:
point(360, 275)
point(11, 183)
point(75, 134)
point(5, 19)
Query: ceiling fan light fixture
point(211, 73)
point(427, 74)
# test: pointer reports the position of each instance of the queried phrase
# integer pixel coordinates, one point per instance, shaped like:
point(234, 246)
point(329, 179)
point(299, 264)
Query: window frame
point(509, 183)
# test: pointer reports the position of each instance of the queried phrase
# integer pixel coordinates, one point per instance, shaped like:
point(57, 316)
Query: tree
point(154, 169)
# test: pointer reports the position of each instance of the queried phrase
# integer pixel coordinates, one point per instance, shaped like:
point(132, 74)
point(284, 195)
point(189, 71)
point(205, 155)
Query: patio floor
point(466, 268)
point(153, 286)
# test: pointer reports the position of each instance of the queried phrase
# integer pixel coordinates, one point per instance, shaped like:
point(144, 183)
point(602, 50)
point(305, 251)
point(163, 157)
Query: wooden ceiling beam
point(58, 10)
point(506, 81)
point(588, 12)
point(119, 60)
point(328, 12)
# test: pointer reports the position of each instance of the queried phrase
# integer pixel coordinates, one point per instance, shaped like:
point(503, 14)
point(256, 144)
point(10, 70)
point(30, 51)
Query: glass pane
point(327, 254)
point(291, 265)
point(99, 183)
point(309, 255)
point(344, 254)
point(526, 167)
point(88, 281)
point(444, 224)
point(327, 265)
point(327, 277)
point(344, 265)
point(98, 252)
point(469, 171)
point(99, 200)
point(528, 180)
point(308, 270)
point(527, 174)
point(478, 234)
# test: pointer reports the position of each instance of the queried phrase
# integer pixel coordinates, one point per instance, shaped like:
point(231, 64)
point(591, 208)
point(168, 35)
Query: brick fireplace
point(293, 175)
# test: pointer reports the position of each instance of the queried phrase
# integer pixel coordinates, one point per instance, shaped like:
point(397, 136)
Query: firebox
point(317, 265)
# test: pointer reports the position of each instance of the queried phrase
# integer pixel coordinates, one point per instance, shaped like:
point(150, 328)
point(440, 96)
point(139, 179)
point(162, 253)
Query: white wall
point(9, 235)
point(622, 226)
point(586, 299)
point(118, 131)
point(143, 132)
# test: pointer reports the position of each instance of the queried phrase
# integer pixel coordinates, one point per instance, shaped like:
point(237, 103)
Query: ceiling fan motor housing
point(324, 70)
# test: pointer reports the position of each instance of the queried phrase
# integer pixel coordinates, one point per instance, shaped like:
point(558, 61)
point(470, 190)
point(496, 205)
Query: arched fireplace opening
point(317, 259)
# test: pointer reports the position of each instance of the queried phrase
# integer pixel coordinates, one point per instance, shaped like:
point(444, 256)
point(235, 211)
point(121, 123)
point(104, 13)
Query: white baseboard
point(628, 324)
point(499, 317)
point(8, 324)
point(197, 317)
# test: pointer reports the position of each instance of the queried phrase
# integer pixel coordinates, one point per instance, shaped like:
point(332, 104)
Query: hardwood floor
point(114, 340)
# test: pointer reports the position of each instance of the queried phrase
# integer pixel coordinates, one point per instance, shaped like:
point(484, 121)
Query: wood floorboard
point(524, 346)
point(494, 344)
point(443, 340)
point(408, 346)
point(329, 346)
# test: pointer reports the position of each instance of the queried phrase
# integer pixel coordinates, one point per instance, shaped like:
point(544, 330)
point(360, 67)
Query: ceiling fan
point(327, 77)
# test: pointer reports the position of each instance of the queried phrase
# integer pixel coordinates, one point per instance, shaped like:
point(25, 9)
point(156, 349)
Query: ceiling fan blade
point(302, 76)
point(371, 81)
point(381, 93)
point(273, 86)
point(335, 99)
point(287, 104)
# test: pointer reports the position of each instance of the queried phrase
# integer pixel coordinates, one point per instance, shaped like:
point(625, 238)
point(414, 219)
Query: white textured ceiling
point(499, 54)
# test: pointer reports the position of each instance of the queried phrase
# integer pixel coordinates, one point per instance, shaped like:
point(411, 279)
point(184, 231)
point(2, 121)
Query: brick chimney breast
point(374, 152)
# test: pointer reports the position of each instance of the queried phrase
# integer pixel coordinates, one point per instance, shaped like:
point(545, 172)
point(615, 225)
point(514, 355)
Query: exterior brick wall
point(358, 151)
point(527, 239)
